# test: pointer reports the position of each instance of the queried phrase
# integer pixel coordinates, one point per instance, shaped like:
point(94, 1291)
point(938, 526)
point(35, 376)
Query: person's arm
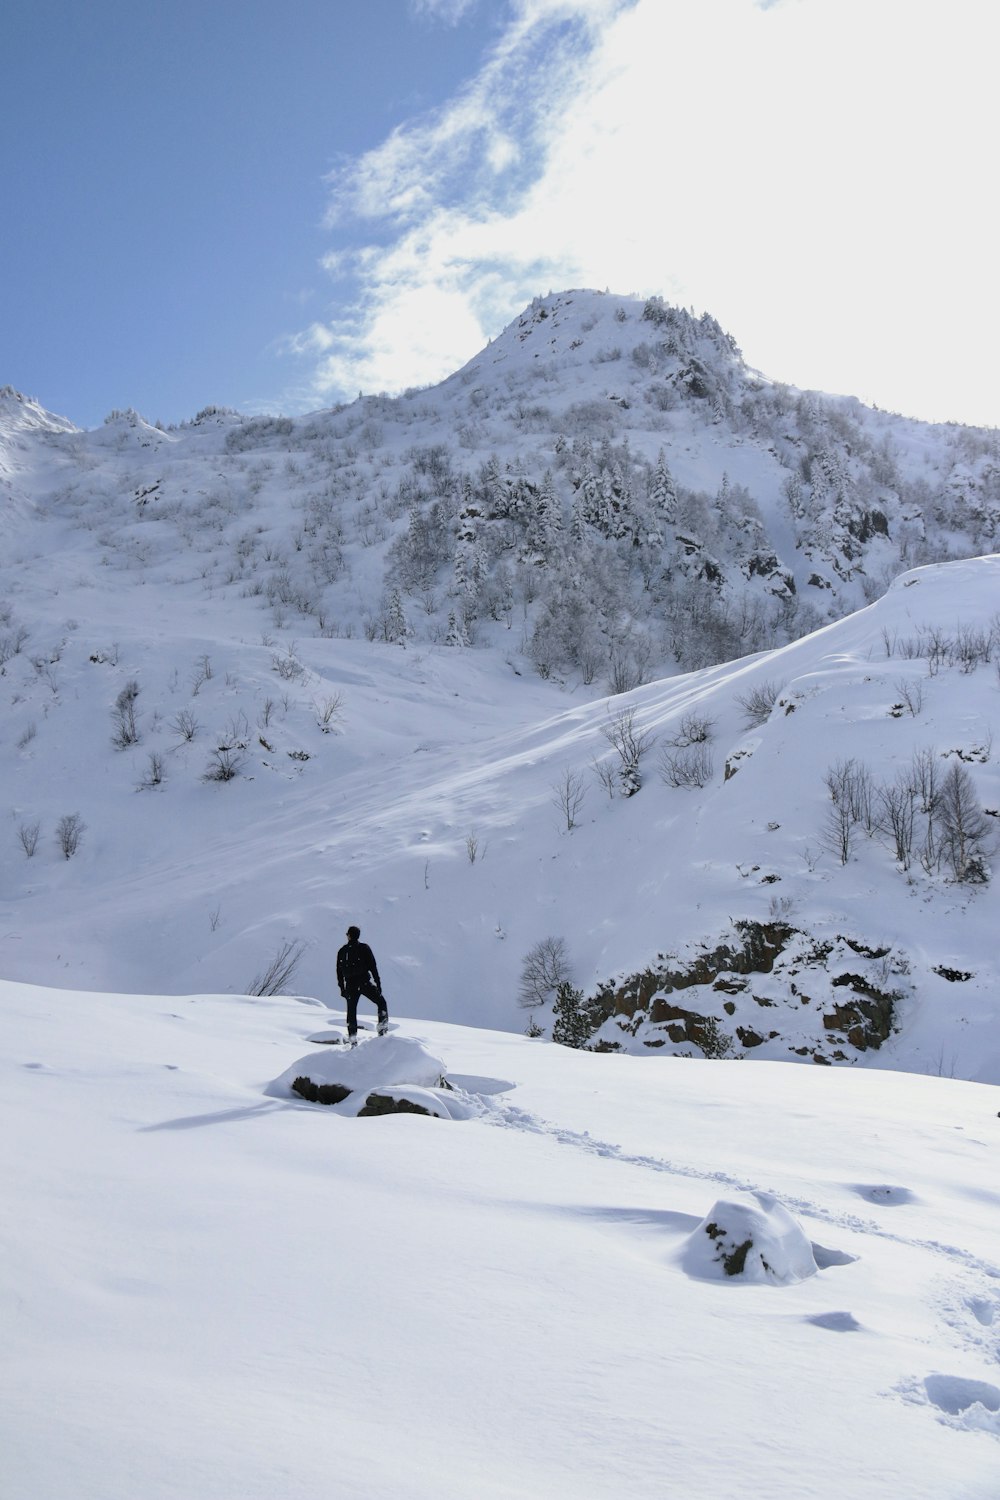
point(374, 969)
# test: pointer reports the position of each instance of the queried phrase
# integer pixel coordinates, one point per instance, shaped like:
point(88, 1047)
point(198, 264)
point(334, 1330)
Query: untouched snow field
point(213, 1290)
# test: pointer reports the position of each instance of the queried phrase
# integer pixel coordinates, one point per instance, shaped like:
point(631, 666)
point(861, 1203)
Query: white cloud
point(816, 173)
point(448, 11)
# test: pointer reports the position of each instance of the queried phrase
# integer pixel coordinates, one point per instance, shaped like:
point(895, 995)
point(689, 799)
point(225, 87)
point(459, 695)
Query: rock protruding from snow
point(382, 1075)
point(752, 1237)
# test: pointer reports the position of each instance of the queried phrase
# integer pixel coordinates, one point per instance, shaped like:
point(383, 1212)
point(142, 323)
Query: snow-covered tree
point(663, 491)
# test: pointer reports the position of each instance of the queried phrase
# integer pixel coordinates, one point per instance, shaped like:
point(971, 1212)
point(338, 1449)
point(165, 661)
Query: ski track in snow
point(512, 1117)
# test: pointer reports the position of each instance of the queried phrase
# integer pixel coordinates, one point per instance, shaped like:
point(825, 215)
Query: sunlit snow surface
point(214, 1291)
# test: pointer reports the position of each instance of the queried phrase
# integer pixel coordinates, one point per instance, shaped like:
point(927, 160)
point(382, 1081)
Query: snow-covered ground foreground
point(216, 1291)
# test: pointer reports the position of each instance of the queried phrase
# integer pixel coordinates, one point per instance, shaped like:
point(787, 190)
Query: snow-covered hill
point(214, 1289)
point(234, 679)
point(607, 485)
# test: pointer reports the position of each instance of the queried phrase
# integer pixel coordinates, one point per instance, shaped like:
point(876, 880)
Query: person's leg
point(352, 1013)
point(375, 996)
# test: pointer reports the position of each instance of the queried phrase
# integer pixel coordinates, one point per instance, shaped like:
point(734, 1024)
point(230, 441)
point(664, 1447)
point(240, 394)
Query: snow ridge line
point(511, 1117)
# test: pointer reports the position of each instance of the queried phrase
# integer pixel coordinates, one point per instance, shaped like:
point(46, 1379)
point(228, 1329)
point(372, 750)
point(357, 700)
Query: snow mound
point(382, 1061)
point(385, 1075)
point(754, 1238)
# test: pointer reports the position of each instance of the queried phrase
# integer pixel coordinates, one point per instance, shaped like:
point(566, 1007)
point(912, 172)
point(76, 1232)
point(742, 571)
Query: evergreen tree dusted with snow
point(544, 524)
point(663, 491)
point(470, 565)
point(573, 1025)
point(457, 635)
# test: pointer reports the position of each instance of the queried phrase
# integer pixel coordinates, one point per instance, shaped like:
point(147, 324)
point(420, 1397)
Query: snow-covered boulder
point(383, 1075)
point(753, 1237)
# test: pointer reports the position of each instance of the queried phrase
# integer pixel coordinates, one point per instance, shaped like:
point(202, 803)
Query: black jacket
point(355, 962)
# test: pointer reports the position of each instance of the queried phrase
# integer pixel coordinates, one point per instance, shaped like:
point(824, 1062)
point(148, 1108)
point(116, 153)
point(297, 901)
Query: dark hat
point(354, 932)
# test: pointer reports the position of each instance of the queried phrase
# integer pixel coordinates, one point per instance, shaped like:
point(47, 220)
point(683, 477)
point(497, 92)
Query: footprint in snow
point(883, 1193)
point(982, 1310)
point(955, 1395)
point(825, 1258)
point(836, 1322)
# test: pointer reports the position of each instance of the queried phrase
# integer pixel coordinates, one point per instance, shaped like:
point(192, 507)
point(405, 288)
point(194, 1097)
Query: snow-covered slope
point(216, 1290)
point(431, 814)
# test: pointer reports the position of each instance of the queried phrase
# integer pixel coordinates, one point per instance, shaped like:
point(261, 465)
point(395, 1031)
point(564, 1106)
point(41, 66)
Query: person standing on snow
point(357, 974)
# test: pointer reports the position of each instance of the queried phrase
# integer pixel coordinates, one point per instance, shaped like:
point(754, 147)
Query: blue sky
point(276, 207)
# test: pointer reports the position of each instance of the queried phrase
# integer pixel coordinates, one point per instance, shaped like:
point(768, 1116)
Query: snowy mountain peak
point(639, 342)
point(20, 414)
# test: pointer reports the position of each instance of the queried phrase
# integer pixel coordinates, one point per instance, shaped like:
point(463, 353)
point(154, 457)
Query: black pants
point(370, 993)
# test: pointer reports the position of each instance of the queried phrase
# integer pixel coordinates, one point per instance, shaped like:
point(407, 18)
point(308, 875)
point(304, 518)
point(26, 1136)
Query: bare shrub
point(202, 673)
point(863, 794)
point(237, 735)
point(936, 647)
point(28, 835)
point(911, 697)
point(273, 979)
point(970, 647)
point(694, 729)
point(758, 702)
point(897, 817)
point(288, 667)
point(330, 713)
point(69, 831)
point(568, 794)
point(185, 724)
point(155, 773)
point(851, 802)
point(30, 730)
point(688, 765)
point(686, 759)
point(925, 778)
point(225, 764)
point(544, 969)
point(965, 829)
point(474, 847)
point(625, 671)
point(607, 774)
point(126, 731)
point(11, 643)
